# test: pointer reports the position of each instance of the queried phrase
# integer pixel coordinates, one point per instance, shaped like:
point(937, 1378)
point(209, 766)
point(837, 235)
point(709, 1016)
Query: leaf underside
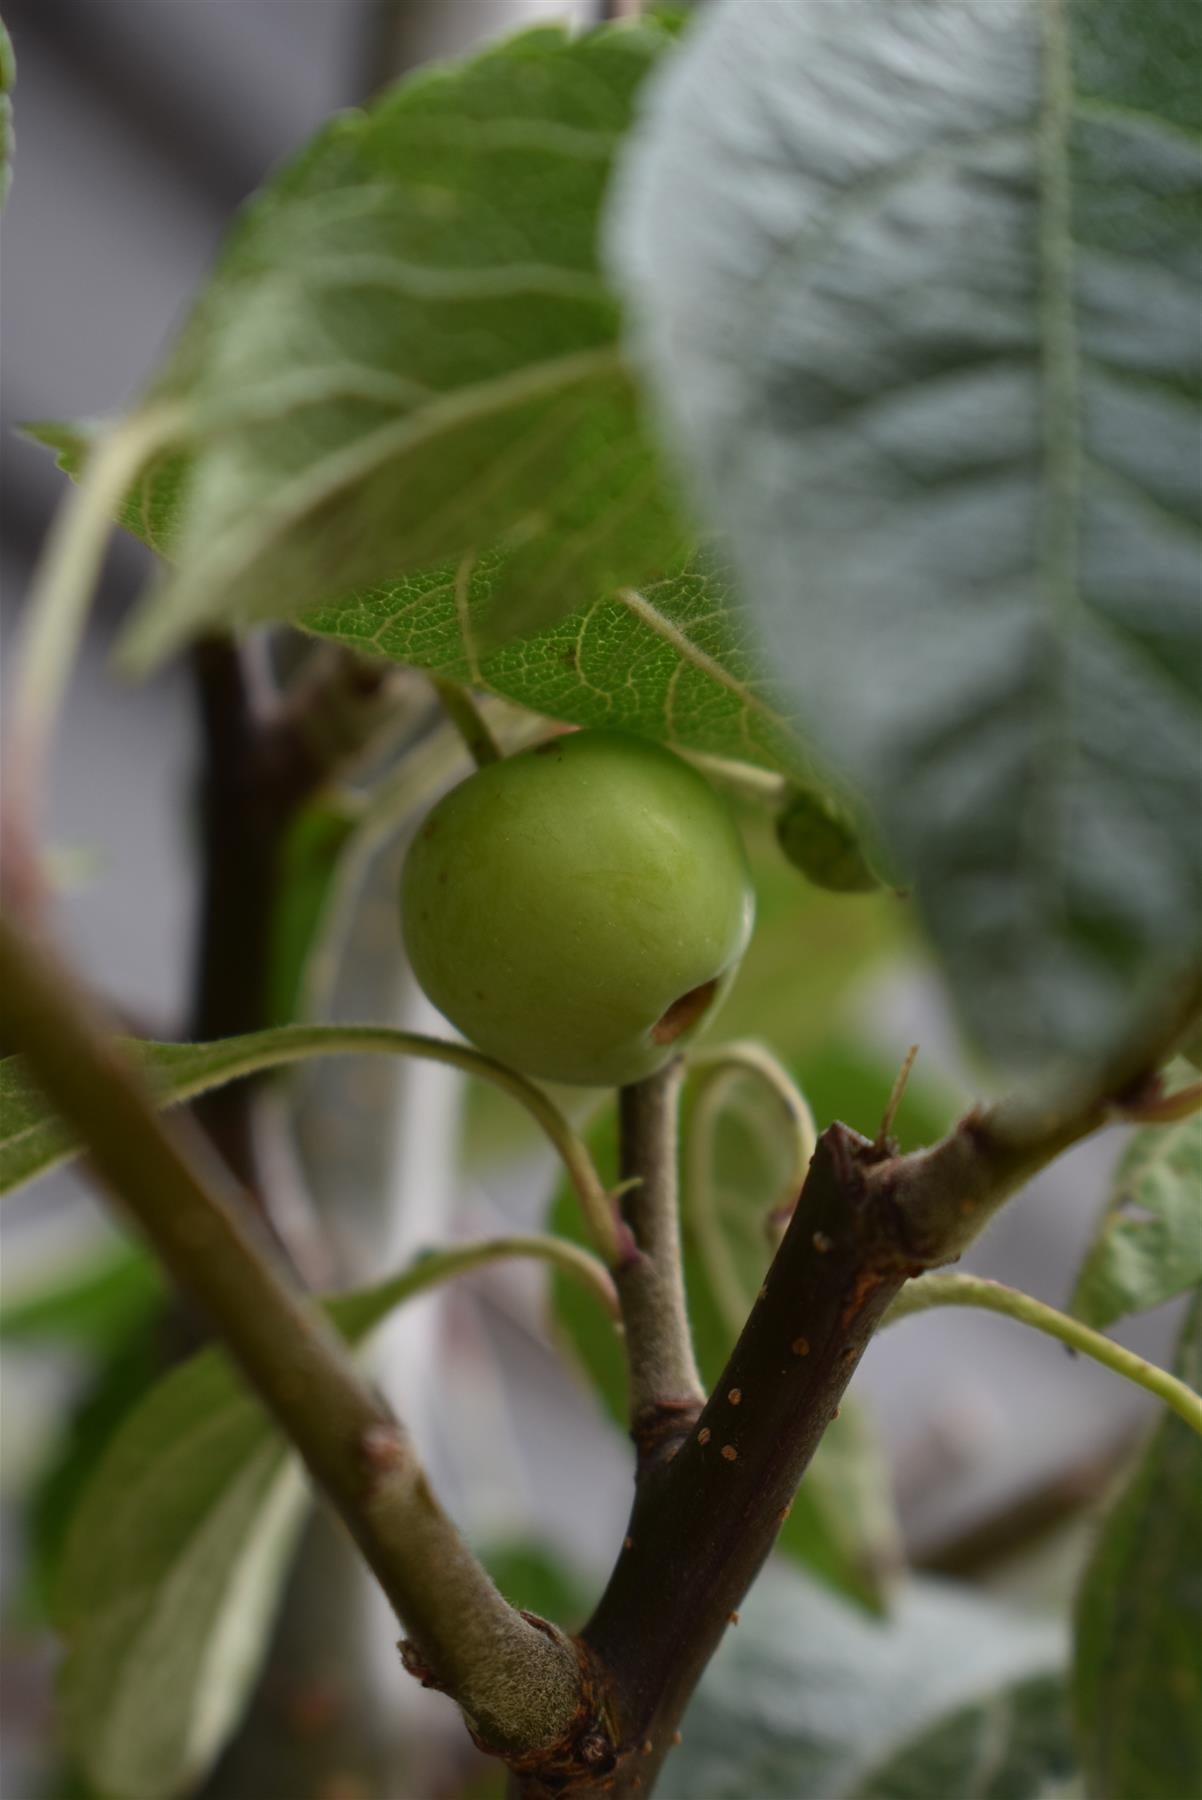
point(917, 286)
point(409, 354)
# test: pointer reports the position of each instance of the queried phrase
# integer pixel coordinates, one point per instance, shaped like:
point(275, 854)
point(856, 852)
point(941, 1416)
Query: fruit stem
point(468, 721)
point(665, 1386)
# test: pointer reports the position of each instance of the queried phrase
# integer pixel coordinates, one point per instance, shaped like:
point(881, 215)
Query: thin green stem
point(745, 1057)
point(232, 1058)
point(62, 587)
point(468, 721)
point(440, 1266)
point(974, 1290)
point(715, 1074)
point(700, 1213)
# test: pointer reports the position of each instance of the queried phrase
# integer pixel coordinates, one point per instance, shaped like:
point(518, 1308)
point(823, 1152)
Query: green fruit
point(579, 910)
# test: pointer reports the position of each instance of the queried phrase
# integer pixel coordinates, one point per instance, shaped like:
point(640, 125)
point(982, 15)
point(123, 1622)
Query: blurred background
point(141, 126)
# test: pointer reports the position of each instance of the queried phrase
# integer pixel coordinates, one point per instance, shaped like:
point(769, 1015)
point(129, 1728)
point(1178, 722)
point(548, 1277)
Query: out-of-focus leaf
point(807, 1696)
point(173, 1563)
point(1013, 1744)
point(169, 1581)
point(153, 508)
point(820, 838)
point(89, 1303)
point(310, 859)
point(535, 1580)
point(408, 355)
point(1148, 1244)
point(125, 1370)
point(8, 77)
point(1137, 1680)
point(917, 285)
point(809, 950)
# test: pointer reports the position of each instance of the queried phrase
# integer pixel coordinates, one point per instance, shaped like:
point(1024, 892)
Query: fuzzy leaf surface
point(917, 284)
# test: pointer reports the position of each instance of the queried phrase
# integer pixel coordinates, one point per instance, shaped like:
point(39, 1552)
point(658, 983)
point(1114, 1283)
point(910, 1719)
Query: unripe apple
point(579, 910)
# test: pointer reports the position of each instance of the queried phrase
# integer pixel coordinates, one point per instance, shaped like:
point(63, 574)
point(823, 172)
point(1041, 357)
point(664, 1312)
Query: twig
point(866, 1222)
point(263, 757)
point(468, 721)
point(994, 1296)
point(885, 1128)
point(518, 1683)
point(699, 1533)
point(665, 1387)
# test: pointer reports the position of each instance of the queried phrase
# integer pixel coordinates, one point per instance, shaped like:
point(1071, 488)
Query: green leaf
point(126, 1369)
point(409, 355)
point(535, 1580)
point(174, 1561)
point(673, 661)
point(1014, 1744)
point(169, 1581)
point(1148, 1244)
point(8, 77)
point(310, 862)
point(917, 285)
point(1137, 1679)
point(90, 1303)
point(153, 508)
point(820, 838)
point(808, 1697)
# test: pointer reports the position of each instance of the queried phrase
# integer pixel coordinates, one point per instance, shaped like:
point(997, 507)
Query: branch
point(699, 1533)
point(866, 1221)
point(948, 1193)
point(993, 1296)
point(519, 1683)
point(666, 1394)
point(262, 758)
